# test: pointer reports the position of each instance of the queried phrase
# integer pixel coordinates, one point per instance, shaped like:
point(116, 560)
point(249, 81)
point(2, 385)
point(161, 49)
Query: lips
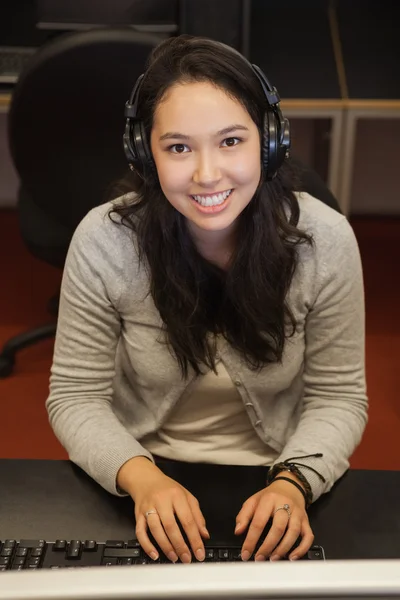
point(212, 199)
point(213, 208)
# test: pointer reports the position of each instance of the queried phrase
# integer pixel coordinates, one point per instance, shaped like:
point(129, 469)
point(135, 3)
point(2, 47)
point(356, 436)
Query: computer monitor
point(347, 580)
point(158, 16)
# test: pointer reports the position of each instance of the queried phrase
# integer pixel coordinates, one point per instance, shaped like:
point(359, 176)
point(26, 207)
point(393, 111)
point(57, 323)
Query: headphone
point(275, 142)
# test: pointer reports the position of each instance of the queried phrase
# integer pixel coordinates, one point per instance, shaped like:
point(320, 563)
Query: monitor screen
point(161, 15)
point(373, 579)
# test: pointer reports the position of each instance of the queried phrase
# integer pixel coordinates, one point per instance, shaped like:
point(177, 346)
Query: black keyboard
point(12, 62)
point(61, 554)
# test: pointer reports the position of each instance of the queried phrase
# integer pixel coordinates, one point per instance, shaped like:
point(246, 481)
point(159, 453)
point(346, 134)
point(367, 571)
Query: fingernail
point(172, 557)
point(200, 554)
point(205, 530)
point(186, 558)
point(245, 555)
point(293, 558)
point(237, 527)
point(153, 555)
point(275, 557)
point(259, 557)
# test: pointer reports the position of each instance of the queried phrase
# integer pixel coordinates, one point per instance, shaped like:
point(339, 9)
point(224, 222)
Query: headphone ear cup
point(127, 142)
point(276, 144)
point(141, 147)
point(270, 145)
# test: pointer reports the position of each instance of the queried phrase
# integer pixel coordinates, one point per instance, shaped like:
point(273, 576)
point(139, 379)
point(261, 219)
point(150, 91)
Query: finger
point(188, 522)
point(307, 540)
point(276, 533)
point(158, 533)
point(143, 538)
point(171, 528)
point(198, 516)
point(286, 543)
point(257, 525)
point(246, 513)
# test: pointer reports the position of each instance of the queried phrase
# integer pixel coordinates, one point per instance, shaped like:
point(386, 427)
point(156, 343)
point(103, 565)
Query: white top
point(210, 424)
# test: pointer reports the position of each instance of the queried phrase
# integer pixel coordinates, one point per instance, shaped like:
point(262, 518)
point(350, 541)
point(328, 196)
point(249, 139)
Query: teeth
point(212, 200)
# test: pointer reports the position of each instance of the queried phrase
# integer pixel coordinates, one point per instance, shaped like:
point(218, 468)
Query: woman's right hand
point(154, 491)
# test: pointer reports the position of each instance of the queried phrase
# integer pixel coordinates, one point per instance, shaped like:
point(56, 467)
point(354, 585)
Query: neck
point(215, 246)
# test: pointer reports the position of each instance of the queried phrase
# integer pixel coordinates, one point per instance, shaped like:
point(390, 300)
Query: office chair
point(65, 135)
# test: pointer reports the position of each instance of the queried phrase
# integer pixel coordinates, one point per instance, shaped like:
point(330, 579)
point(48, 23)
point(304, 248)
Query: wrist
point(289, 485)
point(292, 476)
point(132, 473)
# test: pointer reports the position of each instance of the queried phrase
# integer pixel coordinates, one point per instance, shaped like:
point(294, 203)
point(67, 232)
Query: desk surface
point(359, 518)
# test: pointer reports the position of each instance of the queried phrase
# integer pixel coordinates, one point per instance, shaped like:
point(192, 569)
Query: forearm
point(133, 472)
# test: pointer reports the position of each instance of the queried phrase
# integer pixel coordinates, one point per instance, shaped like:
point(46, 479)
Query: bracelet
point(295, 484)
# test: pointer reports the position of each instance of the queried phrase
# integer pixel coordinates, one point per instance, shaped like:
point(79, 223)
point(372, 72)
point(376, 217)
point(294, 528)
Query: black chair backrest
point(67, 118)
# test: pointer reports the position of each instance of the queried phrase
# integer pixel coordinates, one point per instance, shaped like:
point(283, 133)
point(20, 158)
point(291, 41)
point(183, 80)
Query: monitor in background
point(347, 580)
point(144, 15)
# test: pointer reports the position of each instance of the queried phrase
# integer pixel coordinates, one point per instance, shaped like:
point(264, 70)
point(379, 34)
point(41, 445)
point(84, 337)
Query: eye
point(177, 148)
point(230, 142)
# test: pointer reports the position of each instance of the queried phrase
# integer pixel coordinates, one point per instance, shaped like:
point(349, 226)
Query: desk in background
point(359, 518)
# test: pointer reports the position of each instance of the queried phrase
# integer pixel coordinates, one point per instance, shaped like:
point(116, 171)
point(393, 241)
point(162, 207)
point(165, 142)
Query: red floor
point(27, 284)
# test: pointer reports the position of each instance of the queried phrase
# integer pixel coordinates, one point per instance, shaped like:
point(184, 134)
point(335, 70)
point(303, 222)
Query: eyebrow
point(181, 136)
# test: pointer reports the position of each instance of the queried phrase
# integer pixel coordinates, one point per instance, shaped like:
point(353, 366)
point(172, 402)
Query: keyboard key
point(90, 546)
point(18, 560)
point(60, 545)
point(223, 554)
point(132, 544)
point(122, 552)
point(114, 544)
point(4, 560)
point(21, 552)
point(37, 552)
point(236, 554)
point(109, 562)
point(32, 544)
point(9, 543)
point(6, 552)
point(34, 562)
point(209, 554)
point(314, 554)
point(74, 549)
point(16, 567)
point(3, 568)
point(127, 561)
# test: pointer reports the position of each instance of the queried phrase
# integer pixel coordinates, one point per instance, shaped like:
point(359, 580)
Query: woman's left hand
point(285, 530)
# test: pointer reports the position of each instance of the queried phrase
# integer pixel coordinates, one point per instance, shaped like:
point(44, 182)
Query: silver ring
point(284, 507)
point(150, 512)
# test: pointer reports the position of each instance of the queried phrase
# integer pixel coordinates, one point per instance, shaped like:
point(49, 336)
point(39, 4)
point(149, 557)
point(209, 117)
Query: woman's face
point(206, 149)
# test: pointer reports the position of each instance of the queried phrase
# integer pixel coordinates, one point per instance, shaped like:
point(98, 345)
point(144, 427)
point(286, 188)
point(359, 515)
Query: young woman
point(212, 314)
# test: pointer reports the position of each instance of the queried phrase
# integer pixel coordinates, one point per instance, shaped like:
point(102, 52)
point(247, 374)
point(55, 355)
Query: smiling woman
point(211, 314)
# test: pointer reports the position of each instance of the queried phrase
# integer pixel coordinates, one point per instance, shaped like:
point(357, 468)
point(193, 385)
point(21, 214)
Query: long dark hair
point(197, 301)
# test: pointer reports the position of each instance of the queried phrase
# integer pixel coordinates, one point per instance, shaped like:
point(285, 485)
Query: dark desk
point(359, 518)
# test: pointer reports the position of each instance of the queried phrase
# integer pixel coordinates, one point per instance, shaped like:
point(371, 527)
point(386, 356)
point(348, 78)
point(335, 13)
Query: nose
point(207, 171)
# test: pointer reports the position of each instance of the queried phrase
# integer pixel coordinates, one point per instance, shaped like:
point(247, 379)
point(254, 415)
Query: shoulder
point(328, 227)
point(102, 223)
point(102, 235)
point(102, 242)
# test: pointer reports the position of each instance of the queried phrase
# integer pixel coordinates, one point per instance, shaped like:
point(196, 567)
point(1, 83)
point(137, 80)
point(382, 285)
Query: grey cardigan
point(113, 382)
